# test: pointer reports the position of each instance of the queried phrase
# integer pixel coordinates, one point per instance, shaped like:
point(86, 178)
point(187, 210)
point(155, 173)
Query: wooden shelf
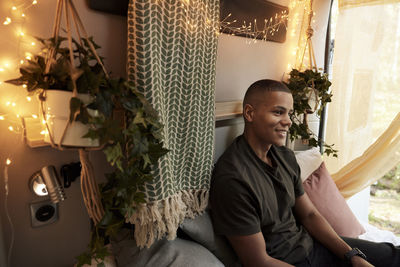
point(32, 135)
point(33, 127)
point(228, 110)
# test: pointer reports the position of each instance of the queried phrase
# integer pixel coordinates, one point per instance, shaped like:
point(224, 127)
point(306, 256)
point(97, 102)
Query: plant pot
point(57, 111)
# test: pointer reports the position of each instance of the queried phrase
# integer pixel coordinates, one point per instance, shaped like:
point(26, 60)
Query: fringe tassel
point(162, 218)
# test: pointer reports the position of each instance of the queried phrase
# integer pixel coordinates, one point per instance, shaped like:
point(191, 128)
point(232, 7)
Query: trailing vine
point(305, 86)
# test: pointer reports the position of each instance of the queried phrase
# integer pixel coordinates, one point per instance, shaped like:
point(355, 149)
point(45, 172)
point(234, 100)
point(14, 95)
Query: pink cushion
point(322, 191)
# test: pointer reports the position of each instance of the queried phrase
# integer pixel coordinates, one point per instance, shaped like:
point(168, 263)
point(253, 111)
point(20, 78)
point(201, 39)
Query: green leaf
point(84, 258)
point(114, 154)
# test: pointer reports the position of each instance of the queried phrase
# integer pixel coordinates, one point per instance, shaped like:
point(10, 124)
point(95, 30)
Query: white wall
point(59, 243)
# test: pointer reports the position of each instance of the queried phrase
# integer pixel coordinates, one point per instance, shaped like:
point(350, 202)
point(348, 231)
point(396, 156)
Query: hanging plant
point(310, 90)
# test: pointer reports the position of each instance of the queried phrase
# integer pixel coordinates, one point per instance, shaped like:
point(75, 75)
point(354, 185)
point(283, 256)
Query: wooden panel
point(228, 110)
point(32, 136)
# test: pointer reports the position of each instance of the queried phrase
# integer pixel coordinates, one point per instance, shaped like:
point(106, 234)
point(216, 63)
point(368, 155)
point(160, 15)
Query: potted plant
point(310, 90)
point(50, 75)
point(125, 125)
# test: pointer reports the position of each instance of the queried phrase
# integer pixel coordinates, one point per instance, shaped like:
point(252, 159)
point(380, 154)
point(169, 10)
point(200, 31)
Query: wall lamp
point(46, 182)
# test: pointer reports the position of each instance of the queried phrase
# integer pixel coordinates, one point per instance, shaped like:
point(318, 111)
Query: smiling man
point(258, 201)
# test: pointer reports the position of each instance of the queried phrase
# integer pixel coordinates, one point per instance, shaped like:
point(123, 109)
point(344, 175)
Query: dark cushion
point(200, 229)
point(162, 253)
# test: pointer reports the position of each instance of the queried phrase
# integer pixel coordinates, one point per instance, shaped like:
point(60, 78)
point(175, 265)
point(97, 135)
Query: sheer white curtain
point(363, 118)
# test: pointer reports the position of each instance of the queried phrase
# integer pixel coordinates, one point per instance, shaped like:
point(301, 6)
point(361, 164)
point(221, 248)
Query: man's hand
point(360, 262)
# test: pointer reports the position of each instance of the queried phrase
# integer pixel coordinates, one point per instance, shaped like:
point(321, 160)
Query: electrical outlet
point(43, 213)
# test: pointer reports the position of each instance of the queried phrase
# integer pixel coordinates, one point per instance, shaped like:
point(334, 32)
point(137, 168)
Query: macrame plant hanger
point(309, 45)
point(312, 63)
point(89, 187)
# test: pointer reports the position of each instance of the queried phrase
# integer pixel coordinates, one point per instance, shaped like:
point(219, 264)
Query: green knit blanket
point(172, 46)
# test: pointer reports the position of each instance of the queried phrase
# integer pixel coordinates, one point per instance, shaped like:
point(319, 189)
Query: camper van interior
point(193, 61)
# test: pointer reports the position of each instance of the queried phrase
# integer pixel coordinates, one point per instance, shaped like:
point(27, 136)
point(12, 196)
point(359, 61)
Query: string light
point(251, 31)
point(8, 162)
point(16, 110)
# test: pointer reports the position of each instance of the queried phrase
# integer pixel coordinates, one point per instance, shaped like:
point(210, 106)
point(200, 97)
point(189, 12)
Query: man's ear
point(248, 112)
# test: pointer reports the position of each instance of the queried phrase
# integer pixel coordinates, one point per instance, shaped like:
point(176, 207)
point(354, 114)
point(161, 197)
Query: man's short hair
point(263, 86)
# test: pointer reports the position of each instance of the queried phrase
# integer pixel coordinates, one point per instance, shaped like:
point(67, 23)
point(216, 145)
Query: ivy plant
point(130, 129)
point(306, 85)
point(87, 71)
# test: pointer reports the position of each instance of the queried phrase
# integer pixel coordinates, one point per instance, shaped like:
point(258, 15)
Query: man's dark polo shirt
point(248, 196)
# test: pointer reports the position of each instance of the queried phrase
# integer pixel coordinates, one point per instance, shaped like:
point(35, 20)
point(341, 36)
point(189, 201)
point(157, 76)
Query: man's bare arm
point(321, 230)
point(252, 252)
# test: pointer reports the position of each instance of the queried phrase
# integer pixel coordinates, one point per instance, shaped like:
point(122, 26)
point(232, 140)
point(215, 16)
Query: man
point(258, 202)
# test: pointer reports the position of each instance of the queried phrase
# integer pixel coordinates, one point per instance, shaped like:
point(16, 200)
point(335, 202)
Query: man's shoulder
point(233, 150)
point(231, 163)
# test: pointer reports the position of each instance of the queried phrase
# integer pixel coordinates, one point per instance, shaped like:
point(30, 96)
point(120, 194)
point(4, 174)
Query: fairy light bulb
point(8, 162)
point(28, 56)
point(14, 8)
point(34, 2)
point(28, 98)
point(7, 21)
point(34, 116)
point(1, 118)
point(10, 128)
